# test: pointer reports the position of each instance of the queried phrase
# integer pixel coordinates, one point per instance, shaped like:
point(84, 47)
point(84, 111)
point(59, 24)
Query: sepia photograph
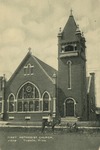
point(49, 75)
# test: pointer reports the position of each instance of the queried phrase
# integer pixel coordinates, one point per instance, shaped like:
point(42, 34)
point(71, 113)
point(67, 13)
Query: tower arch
point(69, 107)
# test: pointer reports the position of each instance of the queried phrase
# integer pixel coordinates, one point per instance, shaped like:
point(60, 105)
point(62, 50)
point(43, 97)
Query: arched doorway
point(69, 107)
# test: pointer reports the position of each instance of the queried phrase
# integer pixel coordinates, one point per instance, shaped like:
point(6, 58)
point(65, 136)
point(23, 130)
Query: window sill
point(69, 88)
point(28, 112)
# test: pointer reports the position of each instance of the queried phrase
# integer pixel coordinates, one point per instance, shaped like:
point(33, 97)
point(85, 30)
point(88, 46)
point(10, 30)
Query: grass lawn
point(35, 140)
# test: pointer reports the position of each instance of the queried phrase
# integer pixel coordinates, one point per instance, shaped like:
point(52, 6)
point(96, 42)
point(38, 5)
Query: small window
point(32, 70)
point(20, 106)
point(37, 105)
point(25, 106)
point(25, 70)
point(31, 106)
point(41, 106)
point(28, 69)
point(69, 48)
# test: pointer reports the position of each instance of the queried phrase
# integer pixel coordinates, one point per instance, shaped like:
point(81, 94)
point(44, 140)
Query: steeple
point(70, 30)
point(70, 40)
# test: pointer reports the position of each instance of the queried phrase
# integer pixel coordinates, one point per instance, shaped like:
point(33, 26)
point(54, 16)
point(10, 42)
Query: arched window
point(28, 69)
point(45, 102)
point(28, 98)
point(69, 63)
point(28, 91)
point(11, 103)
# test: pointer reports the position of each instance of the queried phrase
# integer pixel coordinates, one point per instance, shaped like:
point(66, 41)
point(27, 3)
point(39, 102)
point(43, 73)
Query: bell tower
point(72, 93)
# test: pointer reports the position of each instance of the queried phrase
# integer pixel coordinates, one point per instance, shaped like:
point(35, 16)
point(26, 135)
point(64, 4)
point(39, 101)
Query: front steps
point(66, 120)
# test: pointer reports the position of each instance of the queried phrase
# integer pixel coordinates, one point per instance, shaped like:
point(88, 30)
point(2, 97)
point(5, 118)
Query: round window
point(29, 89)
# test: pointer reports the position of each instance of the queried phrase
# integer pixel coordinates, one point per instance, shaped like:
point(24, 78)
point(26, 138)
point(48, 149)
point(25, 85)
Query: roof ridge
point(45, 63)
point(35, 58)
point(28, 54)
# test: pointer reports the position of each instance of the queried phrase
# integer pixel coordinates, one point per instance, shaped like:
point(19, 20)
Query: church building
point(36, 89)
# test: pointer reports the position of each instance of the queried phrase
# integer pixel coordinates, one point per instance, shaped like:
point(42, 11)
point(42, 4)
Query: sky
point(36, 23)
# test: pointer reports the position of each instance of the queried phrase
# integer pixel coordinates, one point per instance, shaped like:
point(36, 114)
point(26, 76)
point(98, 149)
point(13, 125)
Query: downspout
point(54, 94)
point(3, 96)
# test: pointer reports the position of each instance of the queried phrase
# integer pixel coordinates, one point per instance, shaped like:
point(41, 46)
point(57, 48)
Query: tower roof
point(70, 30)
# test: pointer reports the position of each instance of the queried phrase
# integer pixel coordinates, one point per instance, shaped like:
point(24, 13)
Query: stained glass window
point(46, 102)
point(28, 98)
point(11, 103)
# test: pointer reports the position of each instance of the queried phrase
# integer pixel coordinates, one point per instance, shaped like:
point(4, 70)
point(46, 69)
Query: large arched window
point(46, 102)
point(28, 98)
point(28, 91)
point(11, 103)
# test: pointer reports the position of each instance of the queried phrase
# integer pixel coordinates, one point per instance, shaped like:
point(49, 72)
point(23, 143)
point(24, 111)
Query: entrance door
point(69, 107)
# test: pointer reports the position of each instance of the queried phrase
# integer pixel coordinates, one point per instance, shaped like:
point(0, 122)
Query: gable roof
point(70, 30)
point(48, 70)
point(16, 71)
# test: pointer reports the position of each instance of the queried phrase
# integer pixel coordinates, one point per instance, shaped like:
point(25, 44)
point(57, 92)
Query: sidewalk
point(21, 124)
point(38, 125)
